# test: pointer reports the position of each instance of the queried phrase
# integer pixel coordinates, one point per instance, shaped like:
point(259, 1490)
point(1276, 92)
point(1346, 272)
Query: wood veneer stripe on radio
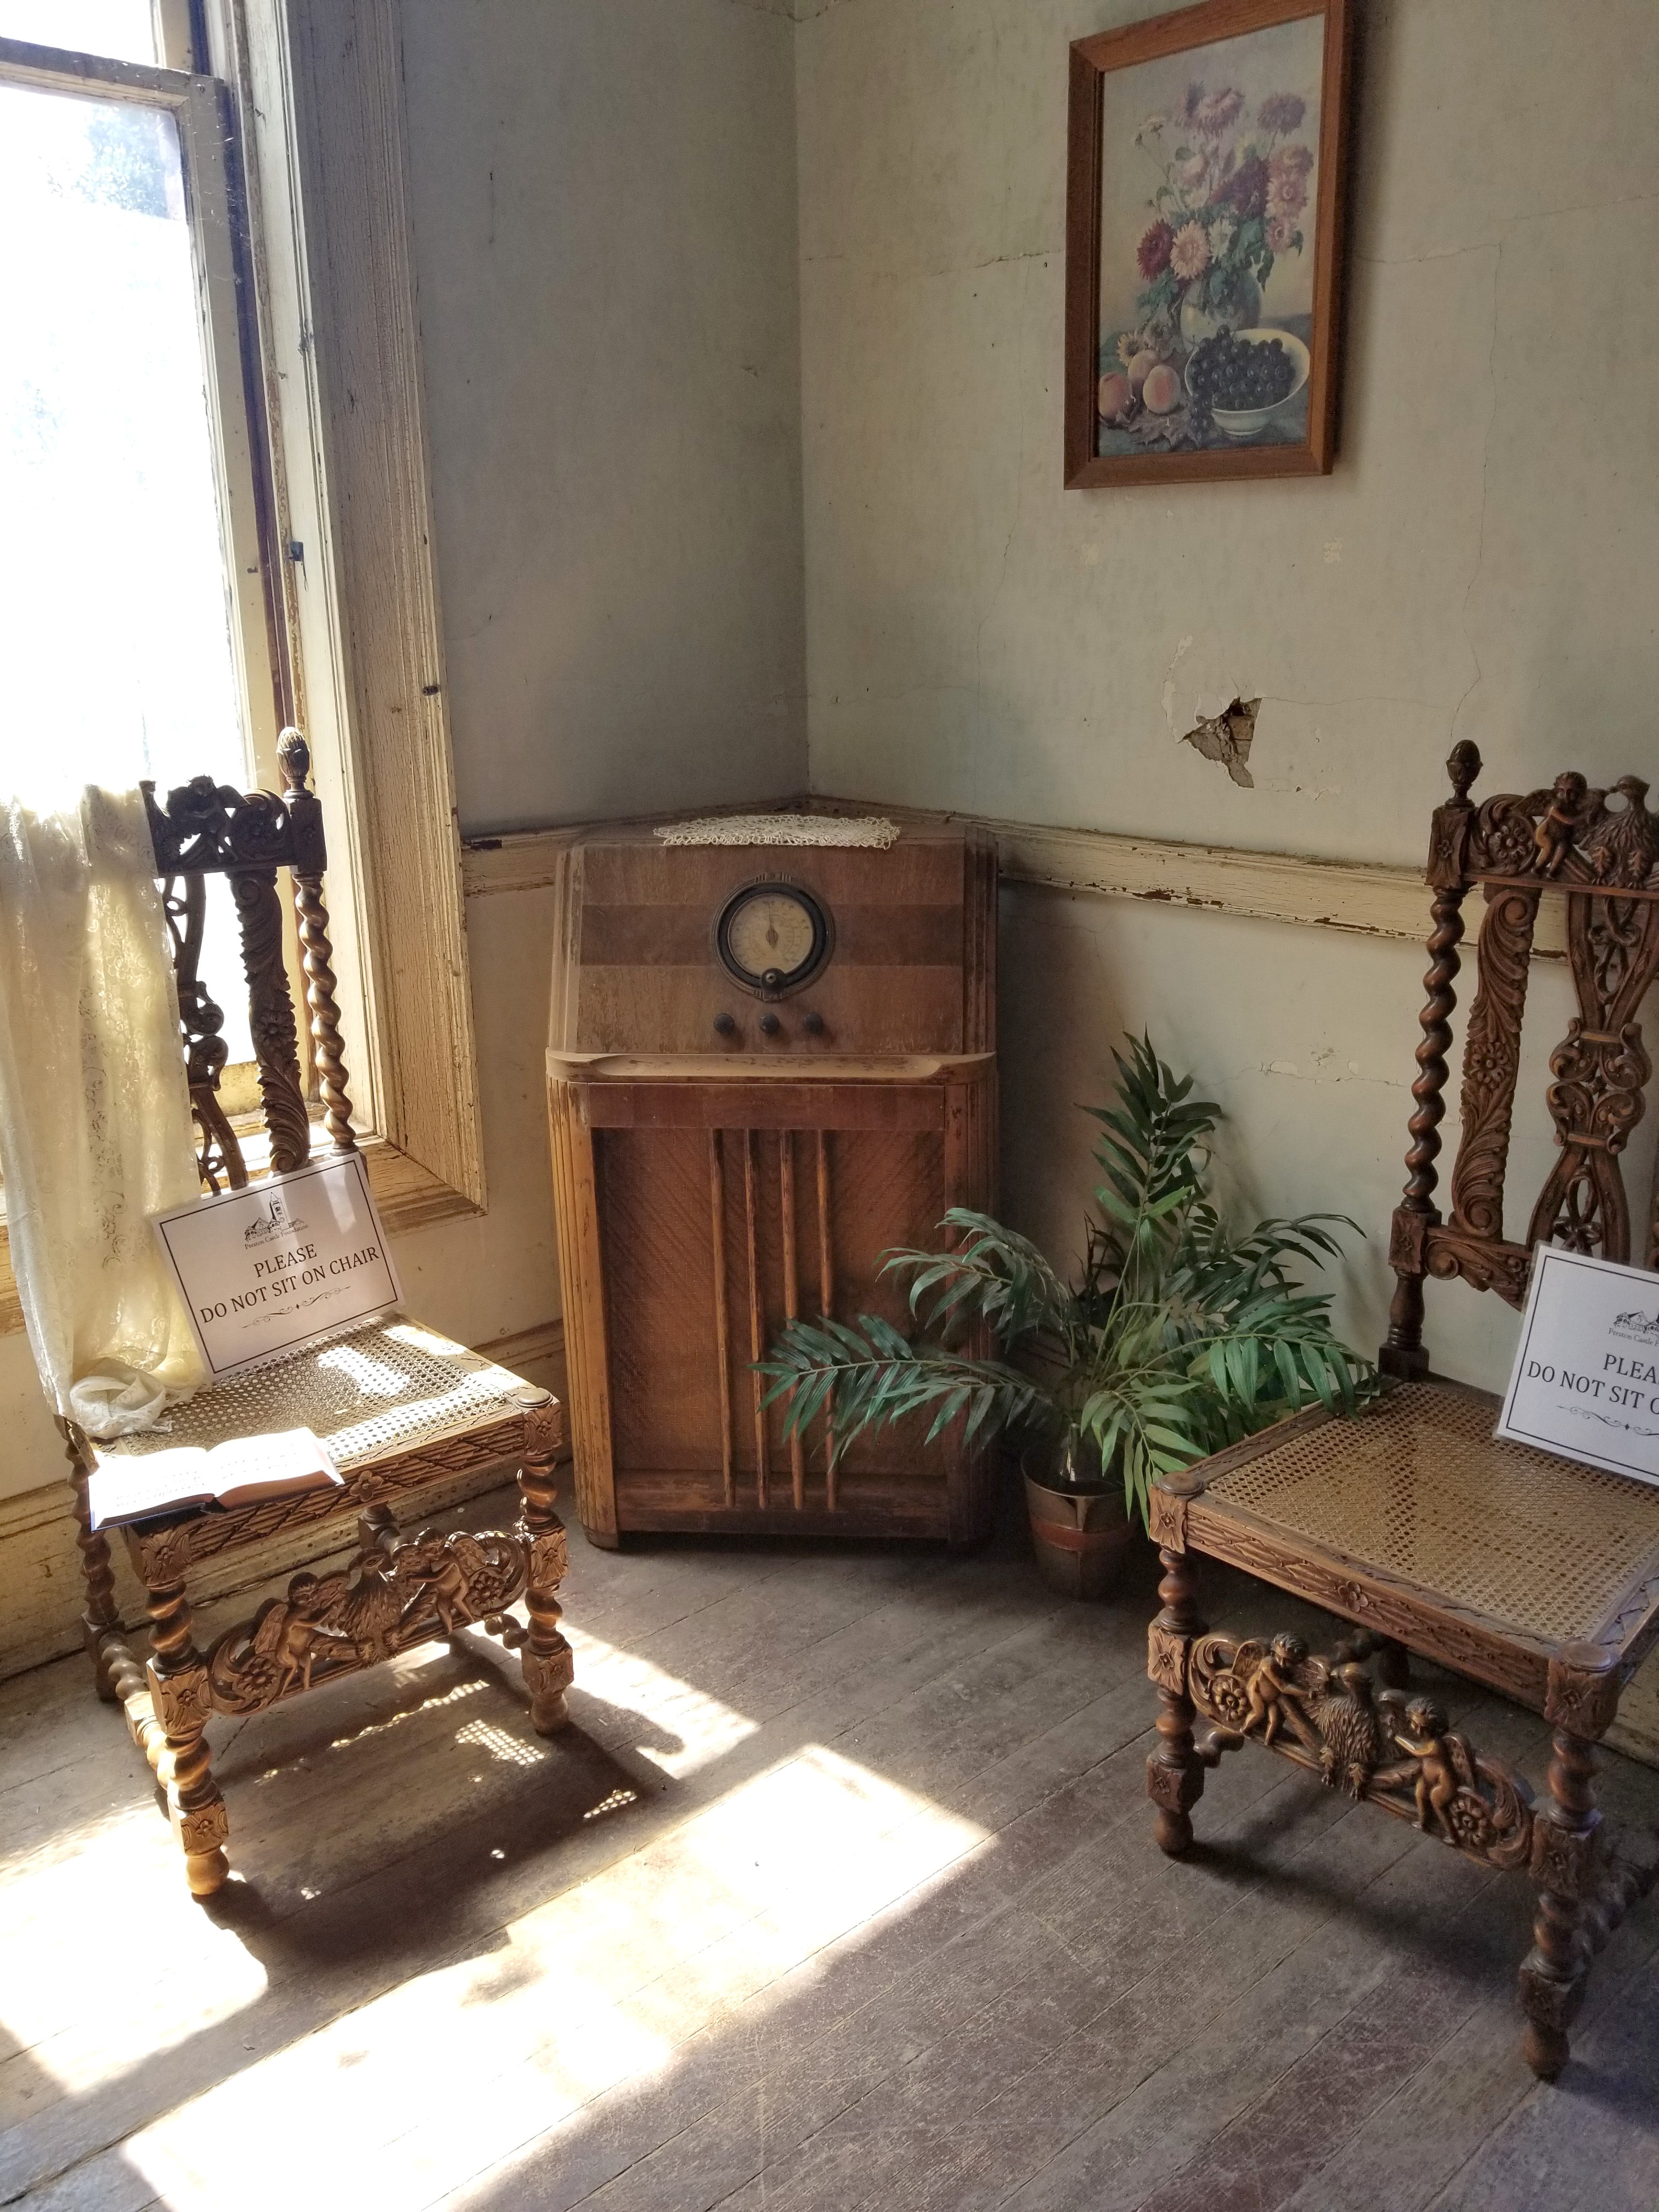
point(918, 1108)
point(756, 1319)
point(582, 1283)
point(722, 1315)
point(826, 1302)
point(914, 935)
point(790, 1288)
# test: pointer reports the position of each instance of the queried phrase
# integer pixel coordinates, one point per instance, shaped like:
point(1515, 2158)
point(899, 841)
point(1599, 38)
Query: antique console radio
point(768, 1063)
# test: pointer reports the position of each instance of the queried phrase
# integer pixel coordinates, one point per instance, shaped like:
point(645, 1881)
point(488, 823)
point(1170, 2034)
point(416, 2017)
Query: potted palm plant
point(1177, 1338)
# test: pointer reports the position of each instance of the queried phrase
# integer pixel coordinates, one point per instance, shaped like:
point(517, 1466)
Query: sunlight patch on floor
point(686, 1728)
point(64, 1930)
point(461, 2066)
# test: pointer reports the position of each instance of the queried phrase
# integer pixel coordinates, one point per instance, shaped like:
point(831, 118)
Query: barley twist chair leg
point(102, 1620)
point(1556, 1968)
point(548, 1667)
point(178, 1687)
point(1175, 1772)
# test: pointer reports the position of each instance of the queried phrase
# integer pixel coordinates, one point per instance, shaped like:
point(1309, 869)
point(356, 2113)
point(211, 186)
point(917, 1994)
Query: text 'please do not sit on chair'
point(397, 1406)
point(1534, 1575)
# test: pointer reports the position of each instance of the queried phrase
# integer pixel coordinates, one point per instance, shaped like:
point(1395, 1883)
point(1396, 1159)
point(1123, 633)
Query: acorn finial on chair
point(293, 756)
point(1462, 766)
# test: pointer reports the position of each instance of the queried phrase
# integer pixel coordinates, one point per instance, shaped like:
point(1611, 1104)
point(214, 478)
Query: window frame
point(201, 110)
point(328, 340)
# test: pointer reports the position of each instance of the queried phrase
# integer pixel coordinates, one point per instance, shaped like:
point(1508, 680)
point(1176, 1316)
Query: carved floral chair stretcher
point(1533, 1574)
point(397, 1406)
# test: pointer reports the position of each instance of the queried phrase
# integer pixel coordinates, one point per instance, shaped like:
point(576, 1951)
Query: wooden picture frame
point(1242, 194)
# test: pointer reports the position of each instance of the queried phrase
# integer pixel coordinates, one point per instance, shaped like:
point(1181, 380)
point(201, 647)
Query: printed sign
point(1586, 1379)
point(271, 1269)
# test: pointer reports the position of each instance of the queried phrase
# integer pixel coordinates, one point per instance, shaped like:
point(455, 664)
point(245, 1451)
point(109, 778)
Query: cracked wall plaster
point(1479, 563)
point(1477, 566)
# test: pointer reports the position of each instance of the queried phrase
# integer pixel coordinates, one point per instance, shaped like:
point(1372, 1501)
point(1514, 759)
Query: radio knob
point(724, 1026)
point(813, 1024)
point(770, 1024)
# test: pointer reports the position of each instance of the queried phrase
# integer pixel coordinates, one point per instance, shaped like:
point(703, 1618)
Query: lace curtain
point(95, 1132)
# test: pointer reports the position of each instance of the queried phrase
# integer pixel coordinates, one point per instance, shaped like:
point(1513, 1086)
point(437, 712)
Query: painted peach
point(1162, 390)
point(1115, 395)
point(1139, 369)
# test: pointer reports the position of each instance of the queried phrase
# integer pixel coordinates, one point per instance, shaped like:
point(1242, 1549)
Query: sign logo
point(274, 1219)
point(1637, 1327)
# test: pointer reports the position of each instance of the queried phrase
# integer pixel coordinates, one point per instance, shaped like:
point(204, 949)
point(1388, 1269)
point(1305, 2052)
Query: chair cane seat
point(1417, 1490)
point(396, 1404)
point(388, 1388)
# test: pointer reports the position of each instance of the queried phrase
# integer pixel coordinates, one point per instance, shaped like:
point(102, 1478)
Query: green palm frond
point(994, 1276)
point(866, 1375)
point(1179, 1338)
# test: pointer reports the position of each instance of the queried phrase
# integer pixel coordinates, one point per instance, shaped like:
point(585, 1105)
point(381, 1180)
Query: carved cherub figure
point(1439, 1758)
point(291, 1633)
point(1553, 839)
point(439, 1576)
point(456, 1577)
point(1273, 1674)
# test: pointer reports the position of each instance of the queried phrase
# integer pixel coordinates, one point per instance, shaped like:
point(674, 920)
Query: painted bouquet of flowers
point(1232, 190)
point(1231, 201)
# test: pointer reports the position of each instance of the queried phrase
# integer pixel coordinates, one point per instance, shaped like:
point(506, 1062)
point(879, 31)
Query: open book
point(132, 1486)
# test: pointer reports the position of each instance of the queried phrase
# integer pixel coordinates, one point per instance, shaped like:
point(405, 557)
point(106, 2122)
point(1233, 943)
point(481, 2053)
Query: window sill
point(408, 1196)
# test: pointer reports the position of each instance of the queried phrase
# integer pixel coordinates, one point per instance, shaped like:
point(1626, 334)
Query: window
point(282, 174)
point(132, 600)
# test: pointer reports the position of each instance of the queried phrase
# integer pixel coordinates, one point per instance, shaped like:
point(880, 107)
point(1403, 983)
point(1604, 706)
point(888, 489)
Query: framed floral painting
point(1204, 214)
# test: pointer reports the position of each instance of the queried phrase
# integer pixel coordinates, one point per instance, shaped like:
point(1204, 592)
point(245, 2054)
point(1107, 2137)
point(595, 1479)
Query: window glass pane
point(112, 586)
point(122, 28)
point(114, 594)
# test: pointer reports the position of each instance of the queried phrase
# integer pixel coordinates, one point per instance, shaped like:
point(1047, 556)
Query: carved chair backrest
point(207, 829)
point(1601, 857)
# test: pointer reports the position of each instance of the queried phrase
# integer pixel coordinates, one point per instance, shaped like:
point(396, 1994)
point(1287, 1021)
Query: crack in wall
point(1510, 224)
point(1478, 677)
point(1013, 524)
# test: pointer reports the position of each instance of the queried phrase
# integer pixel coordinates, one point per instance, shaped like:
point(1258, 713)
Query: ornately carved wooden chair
point(399, 1405)
point(1534, 1576)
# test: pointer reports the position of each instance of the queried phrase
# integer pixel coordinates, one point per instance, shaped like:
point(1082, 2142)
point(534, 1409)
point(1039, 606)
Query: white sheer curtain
point(95, 1132)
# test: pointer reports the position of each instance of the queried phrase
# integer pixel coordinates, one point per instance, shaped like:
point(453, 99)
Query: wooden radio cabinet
point(767, 1065)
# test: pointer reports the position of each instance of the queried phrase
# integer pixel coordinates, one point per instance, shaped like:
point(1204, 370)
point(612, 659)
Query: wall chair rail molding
point(1284, 887)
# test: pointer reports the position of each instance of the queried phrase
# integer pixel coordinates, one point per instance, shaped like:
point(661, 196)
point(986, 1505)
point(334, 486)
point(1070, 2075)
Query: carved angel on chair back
point(1598, 849)
point(208, 828)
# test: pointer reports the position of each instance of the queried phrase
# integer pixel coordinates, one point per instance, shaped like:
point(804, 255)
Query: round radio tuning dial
point(813, 1024)
point(725, 1024)
point(772, 938)
point(770, 1024)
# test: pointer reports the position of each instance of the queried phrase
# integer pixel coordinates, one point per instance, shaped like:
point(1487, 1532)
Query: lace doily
point(869, 830)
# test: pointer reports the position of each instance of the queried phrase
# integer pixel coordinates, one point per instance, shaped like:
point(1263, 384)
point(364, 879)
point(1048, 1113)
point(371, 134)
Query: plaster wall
point(1479, 565)
point(603, 195)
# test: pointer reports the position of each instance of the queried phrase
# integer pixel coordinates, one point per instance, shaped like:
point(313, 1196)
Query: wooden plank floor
point(841, 1893)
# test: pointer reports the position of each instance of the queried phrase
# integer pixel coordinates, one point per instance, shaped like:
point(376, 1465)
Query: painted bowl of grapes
point(1243, 379)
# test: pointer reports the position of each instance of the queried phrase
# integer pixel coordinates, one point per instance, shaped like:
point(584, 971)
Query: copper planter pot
point(1081, 1536)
